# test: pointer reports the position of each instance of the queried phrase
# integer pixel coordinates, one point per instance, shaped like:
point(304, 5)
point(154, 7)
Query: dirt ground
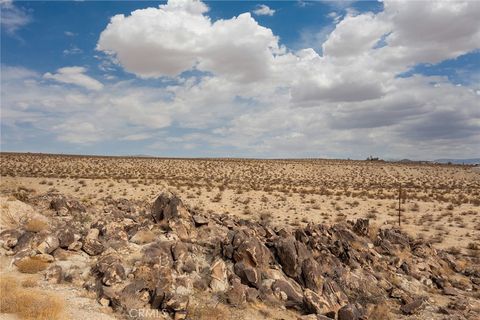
point(440, 203)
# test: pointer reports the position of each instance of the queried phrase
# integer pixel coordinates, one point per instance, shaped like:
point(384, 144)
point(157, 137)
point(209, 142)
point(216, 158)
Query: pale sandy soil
point(441, 202)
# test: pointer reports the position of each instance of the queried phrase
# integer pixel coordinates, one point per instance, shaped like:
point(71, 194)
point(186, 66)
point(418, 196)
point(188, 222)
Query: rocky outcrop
point(165, 257)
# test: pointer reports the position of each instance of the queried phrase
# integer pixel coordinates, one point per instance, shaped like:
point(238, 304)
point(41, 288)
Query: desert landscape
point(241, 238)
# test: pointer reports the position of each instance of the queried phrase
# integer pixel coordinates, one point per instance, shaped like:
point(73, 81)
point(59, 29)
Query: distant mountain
point(459, 161)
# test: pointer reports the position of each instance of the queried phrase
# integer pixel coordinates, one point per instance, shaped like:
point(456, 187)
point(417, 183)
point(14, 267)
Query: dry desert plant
point(29, 303)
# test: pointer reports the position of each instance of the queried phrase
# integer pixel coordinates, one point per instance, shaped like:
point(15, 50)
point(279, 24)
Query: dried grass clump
point(208, 312)
point(31, 265)
point(36, 225)
point(29, 303)
point(380, 312)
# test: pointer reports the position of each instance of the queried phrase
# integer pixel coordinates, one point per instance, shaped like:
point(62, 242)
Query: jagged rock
point(63, 206)
point(252, 294)
point(218, 274)
point(289, 290)
point(200, 220)
point(24, 242)
point(291, 254)
point(179, 251)
point(54, 274)
point(48, 245)
point(361, 227)
point(93, 247)
point(159, 253)
point(236, 295)
point(9, 238)
point(413, 307)
point(311, 275)
point(395, 236)
point(176, 303)
point(134, 296)
point(109, 269)
point(66, 237)
point(317, 304)
point(168, 206)
point(248, 274)
point(75, 246)
point(249, 249)
point(348, 312)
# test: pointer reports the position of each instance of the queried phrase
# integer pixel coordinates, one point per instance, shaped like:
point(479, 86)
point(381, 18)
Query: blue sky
point(248, 79)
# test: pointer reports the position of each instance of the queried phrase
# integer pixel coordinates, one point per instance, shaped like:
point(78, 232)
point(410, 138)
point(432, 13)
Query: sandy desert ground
point(440, 203)
point(258, 239)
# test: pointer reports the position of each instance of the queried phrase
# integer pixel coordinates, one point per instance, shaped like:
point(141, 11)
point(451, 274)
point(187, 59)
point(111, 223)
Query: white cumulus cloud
point(178, 37)
point(76, 76)
point(264, 10)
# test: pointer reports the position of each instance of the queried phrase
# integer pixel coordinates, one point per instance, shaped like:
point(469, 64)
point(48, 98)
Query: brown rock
point(48, 245)
point(168, 206)
point(311, 275)
point(291, 290)
point(413, 307)
point(93, 247)
point(348, 312)
point(248, 274)
point(218, 274)
point(109, 269)
point(315, 303)
point(66, 237)
point(54, 274)
point(9, 238)
point(236, 295)
point(291, 254)
point(361, 227)
point(200, 220)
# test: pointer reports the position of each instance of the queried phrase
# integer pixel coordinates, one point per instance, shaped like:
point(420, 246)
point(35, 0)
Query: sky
point(268, 79)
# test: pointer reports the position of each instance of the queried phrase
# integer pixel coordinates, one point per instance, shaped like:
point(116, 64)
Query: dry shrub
point(380, 312)
point(36, 225)
point(373, 229)
point(29, 283)
point(208, 312)
point(29, 303)
point(31, 265)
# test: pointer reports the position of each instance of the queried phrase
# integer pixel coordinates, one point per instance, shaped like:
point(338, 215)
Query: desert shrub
point(29, 283)
point(36, 225)
point(29, 303)
point(208, 312)
point(31, 265)
point(380, 312)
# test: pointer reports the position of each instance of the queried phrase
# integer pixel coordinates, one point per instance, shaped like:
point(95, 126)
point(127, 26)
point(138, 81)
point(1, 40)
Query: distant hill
point(459, 161)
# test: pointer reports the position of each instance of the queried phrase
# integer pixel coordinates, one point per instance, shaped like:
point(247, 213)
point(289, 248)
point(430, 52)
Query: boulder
point(92, 247)
point(413, 307)
point(109, 269)
point(54, 274)
point(289, 290)
point(291, 254)
point(236, 295)
point(66, 237)
point(200, 220)
point(312, 276)
point(49, 244)
point(9, 238)
point(348, 312)
point(361, 227)
point(248, 274)
point(168, 206)
point(218, 273)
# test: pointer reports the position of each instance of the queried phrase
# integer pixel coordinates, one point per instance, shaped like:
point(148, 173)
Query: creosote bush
point(29, 303)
